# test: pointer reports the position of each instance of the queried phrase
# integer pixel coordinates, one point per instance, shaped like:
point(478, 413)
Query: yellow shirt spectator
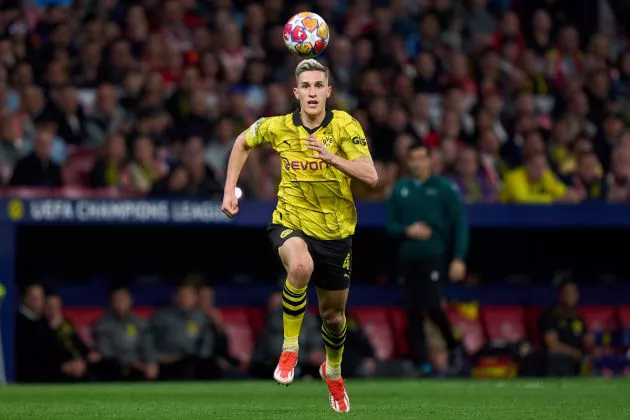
point(533, 183)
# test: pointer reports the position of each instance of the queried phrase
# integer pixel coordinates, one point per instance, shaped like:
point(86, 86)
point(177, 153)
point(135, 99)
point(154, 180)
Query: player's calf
point(334, 336)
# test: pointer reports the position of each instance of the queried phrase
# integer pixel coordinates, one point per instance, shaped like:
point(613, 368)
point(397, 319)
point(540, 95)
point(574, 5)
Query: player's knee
point(300, 271)
point(333, 318)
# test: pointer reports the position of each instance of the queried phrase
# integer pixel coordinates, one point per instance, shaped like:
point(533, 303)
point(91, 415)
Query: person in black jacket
point(39, 353)
point(38, 169)
point(72, 346)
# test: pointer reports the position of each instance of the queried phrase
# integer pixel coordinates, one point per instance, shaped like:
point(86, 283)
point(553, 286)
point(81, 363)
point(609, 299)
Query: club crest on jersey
point(328, 141)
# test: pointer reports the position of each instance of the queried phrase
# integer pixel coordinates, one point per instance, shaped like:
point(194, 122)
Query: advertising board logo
point(15, 210)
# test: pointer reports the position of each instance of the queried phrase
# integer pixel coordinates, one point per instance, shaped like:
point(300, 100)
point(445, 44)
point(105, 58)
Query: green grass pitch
point(587, 399)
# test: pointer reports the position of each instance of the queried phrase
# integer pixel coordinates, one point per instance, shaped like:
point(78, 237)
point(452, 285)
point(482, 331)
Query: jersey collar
point(297, 121)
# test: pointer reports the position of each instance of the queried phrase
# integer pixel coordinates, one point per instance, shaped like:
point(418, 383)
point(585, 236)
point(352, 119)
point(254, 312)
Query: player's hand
point(230, 204)
point(457, 270)
point(322, 153)
point(419, 230)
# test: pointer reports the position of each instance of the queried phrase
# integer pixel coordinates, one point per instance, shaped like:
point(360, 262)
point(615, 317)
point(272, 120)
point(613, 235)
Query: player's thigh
point(296, 257)
point(332, 264)
point(293, 251)
point(333, 270)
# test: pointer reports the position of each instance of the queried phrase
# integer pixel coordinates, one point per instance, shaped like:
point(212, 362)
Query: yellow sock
point(293, 307)
point(334, 343)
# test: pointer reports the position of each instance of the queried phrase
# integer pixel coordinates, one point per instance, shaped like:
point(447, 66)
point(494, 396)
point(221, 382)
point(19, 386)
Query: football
point(306, 35)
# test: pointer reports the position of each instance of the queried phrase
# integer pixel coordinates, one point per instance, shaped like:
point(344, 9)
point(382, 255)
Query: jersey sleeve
point(354, 143)
point(259, 133)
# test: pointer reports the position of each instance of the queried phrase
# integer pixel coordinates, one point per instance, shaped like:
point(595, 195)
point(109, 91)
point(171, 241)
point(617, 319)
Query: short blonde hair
point(311, 65)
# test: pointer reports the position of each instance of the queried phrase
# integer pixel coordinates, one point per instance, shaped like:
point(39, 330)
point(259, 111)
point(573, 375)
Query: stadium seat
point(239, 333)
point(399, 322)
point(504, 324)
point(143, 312)
point(257, 317)
point(83, 320)
point(76, 170)
point(532, 316)
point(469, 325)
point(623, 313)
point(599, 318)
point(375, 324)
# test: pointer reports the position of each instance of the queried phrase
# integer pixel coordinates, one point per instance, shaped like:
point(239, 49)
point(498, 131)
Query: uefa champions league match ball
point(306, 35)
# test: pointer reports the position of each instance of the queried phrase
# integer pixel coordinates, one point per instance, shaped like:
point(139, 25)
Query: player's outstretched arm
point(361, 168)
point(238, 157)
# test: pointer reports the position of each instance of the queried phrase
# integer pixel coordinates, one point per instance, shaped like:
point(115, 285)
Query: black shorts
point(332, 259)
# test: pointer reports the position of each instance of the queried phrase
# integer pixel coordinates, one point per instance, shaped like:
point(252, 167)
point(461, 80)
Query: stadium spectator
point(618, 180)
point(202, 179)
point(109, 170)
point(67, 114)
point(73, 345)
point(564, 333)
point(219, 149)
point(12, 146)
point(106, 119)
point(175, 184)
point(472, 184)
point(124, 342)
point(181, 335)
point(34, 333)
point(587, 177)
point(144, 168)
point(265, 355)
point(534, 183)
point(38, 169)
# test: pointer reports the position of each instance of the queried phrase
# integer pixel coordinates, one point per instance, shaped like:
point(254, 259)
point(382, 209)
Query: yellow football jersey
point(313, 196)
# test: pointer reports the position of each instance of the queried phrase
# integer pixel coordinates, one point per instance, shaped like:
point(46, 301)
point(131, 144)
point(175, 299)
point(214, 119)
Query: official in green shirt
point(426, 214)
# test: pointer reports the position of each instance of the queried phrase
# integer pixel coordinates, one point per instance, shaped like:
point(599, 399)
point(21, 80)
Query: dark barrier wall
point(79, 241)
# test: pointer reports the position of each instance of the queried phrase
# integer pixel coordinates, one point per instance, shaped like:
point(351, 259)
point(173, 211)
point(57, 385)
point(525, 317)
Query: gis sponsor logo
point(359, 141)
point(304, 165)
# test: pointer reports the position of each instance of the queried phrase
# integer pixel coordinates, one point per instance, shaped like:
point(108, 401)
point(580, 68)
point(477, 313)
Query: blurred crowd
point(193, 338)
point(519, 101)
point(188, 339)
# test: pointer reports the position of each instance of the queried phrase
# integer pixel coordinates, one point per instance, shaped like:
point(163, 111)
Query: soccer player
point(321, 151)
